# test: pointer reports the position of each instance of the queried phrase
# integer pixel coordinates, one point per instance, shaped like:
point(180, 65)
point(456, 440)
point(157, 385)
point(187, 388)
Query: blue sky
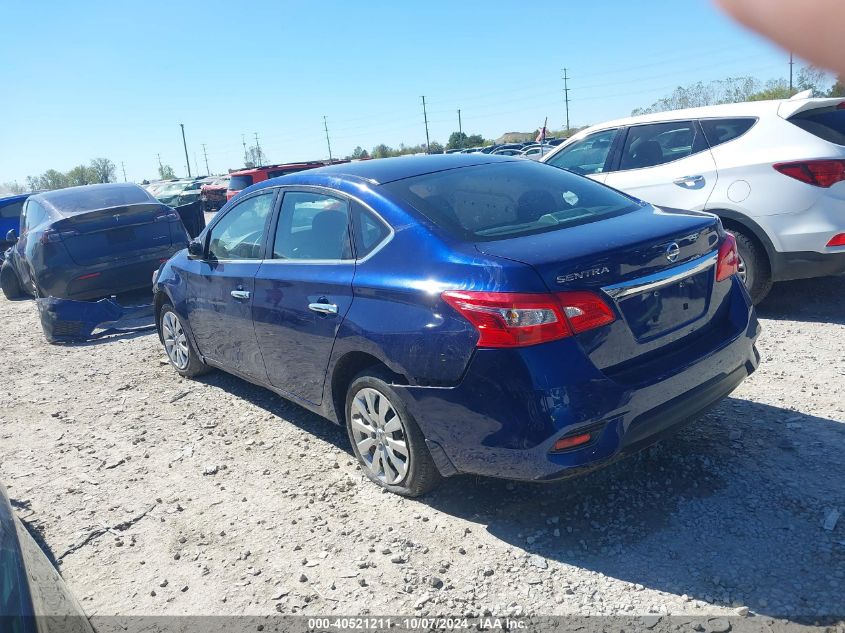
point(86, 79)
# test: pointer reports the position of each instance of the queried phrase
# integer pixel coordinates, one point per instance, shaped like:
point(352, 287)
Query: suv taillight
point(821, 173)
point(513, 319)
point(728, 262)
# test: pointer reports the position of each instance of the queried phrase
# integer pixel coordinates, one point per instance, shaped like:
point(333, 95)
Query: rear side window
point(35, 215)
point(659, 143)
point(826, 123)
point(312, 226)
point(236, 183)
point(369, 231)
point(12, 210)
point(720, 131)
point(503, 200)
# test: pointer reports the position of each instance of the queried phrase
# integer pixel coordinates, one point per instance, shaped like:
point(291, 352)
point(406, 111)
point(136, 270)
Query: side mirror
point(12, 236)
point(195, 249)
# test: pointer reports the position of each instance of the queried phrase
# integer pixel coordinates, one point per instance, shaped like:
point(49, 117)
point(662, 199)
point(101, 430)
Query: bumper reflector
point(837, 240)
point(572, 441)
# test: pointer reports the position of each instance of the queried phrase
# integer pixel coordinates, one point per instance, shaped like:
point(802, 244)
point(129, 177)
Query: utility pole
point(460, 128)
point(185, 145)
point(257, 147)
point(790, 73)
point(328, 142)
point(196, 169)
point(566, 97)
point(123, 167)
point(246, 156)
point(425, 118)
point(204, 153)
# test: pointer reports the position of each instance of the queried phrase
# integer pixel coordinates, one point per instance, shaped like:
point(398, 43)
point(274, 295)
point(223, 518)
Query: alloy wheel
point(175, 341)
point(742, 270)
point(379, 434)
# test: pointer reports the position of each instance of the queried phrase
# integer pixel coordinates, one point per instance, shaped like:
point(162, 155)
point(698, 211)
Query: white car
point(773, 171)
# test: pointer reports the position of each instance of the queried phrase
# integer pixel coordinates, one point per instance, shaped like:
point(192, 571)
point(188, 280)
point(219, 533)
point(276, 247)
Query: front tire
point(10, 282)
point(177, 345)
point(385, 438)
point(754, 270)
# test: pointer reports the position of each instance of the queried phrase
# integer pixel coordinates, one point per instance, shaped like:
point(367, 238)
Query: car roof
point(383, 170)
point(252, 170)
point(15, 198)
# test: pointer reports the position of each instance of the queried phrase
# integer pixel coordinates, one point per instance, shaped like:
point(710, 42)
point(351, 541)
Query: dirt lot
point(167, 496)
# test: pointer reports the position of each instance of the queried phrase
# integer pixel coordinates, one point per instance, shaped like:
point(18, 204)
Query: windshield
point(503, 200)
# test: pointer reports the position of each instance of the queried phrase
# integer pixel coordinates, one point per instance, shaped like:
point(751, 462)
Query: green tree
point(13, 187)
point(474, 140)
point(457, 140)
point(435, 148)
point(359, 152)
point(165, 172)
point(81, 175)
point(837, 89)
point(382, 151)
point(50, 179)
point(103, 169)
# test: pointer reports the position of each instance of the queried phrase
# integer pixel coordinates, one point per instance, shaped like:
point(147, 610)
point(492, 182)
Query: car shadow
point(812, 300)
point(727, 511)
point(730, 522)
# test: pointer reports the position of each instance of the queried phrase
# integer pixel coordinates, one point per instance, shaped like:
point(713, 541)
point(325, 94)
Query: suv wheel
point(10, 282)
point(178, 347)
point(753, 267)
point(386, 440)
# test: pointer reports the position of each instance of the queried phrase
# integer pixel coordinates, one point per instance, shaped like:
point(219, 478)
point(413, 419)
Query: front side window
point(659, 143)
point(503, 200)
point(587, 156)
point(312, 226)
point(240, 233)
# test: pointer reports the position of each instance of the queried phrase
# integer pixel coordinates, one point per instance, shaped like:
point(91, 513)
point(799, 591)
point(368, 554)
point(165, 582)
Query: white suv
point(773, 171)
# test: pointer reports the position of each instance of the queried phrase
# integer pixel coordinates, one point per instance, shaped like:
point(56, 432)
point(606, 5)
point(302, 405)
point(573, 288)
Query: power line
point(185, 145)
point(328, 142)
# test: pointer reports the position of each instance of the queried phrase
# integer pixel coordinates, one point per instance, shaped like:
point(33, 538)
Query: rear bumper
point(503, 419)
point(806, 264)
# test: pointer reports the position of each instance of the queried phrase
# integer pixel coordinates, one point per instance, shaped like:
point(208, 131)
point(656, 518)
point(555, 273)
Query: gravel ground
point(164, 496)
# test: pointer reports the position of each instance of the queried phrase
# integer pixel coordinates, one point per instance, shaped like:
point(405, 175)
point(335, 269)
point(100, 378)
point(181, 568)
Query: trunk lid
point(117, 233)
point(654, 266)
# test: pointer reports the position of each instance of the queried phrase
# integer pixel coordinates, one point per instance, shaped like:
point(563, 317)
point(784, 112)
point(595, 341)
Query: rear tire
point(10, 282)
point(177, 344)
point(754, 266)
point(380, 427)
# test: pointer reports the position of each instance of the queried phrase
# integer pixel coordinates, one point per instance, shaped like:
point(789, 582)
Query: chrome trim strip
point(662, 278)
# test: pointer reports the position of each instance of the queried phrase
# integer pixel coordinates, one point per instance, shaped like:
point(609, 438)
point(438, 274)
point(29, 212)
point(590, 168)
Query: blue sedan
point(465, 313)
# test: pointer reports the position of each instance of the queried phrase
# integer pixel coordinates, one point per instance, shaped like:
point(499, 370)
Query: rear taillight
point(167, 217)
point(728, 262)
point(821, 173)
point(88, 276)
point(52, 235)
point(512, 319)
point(837, 240)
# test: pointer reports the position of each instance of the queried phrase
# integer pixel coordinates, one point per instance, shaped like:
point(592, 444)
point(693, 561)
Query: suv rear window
point(503, 200)
point(826, 123)
point(720, 131)
point(236, 183)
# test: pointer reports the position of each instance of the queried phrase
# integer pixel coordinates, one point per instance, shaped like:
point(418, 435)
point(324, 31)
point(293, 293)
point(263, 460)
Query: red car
point(243, 178)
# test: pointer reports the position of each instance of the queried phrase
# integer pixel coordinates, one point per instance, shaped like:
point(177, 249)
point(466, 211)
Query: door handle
point(323, 308)
point(241, 295)
point(689, 181)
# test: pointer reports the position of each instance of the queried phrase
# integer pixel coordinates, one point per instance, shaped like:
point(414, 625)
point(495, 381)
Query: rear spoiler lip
point(790, 107)
point(80, 219)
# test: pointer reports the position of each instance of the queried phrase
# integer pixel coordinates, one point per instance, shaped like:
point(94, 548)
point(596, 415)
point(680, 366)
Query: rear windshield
point(236, 183)
point(91, 197)
point(826, 123)
point(502, 200)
